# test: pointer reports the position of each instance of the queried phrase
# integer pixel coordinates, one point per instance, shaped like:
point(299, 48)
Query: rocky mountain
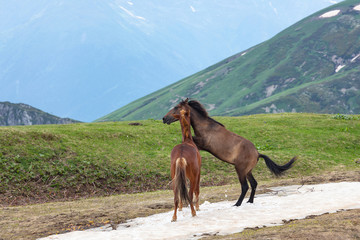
point(312, 66)
point(22, 114)
point(90, 57)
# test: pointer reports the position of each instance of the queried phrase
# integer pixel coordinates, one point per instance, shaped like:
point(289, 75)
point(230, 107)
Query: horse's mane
point(197, 106)
point(185, 124)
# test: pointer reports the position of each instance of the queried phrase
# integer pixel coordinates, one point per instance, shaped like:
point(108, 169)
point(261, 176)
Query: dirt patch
point(40, 220)
point(340, 225)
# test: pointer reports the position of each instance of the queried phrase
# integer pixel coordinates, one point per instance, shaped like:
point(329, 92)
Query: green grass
point(59, 161)
point(298, 63)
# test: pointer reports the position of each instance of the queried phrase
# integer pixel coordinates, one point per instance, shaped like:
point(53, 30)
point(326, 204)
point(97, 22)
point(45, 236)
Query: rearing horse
point(227, 146)
point(185, 163)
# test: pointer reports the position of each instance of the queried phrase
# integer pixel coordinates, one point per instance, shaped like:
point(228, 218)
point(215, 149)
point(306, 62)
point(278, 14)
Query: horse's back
point(184, 150)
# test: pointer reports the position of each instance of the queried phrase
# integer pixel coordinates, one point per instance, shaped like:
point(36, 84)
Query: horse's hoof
point(173, 220)
point(193, 213)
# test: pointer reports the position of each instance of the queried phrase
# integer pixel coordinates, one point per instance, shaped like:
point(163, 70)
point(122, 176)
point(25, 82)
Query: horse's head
point(174, 114)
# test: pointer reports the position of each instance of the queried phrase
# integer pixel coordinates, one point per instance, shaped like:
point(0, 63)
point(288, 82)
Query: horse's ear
point(186, 100)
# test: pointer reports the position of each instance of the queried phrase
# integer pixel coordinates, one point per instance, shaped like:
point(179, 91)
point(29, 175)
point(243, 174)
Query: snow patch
point(339, 68)
point(200, 84)
point(357, 7)
point(38, 15)
point(354, 58)
point(270, 209)
point(273, 8)
point(332, 13)
point(211, 107)
point(289, 80)
point(270, 90)
point(173, 101)
point(268, 109)
point(345, 90)
point(131, 14)
point(243, 53)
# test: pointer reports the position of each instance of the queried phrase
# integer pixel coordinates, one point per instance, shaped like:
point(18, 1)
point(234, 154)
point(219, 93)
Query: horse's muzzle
point(168, 120)
point(165, 121)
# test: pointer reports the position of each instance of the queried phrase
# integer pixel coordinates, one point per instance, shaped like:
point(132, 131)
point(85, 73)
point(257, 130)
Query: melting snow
point(270, 90)
point(283, 203)
point(344, 90)
point(352, 60)
point(211, 107)
point(357, 7)
point(131, 14)
point(339, 68)
point(332, 13)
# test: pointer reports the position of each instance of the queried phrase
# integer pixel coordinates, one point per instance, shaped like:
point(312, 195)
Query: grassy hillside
point(46, 162)
point(312, 66)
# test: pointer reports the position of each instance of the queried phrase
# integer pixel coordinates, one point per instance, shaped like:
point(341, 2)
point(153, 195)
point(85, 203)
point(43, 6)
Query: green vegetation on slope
point(298, 70)
point(40, 163)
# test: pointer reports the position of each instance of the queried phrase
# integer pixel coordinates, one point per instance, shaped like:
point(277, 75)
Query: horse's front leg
point(197, 192)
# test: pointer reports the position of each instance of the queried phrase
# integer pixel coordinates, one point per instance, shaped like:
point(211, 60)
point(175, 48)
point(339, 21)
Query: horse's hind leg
point(244, 186)
point(191, 195)
point(180, 205)
point(176, 202)
point(253, 184)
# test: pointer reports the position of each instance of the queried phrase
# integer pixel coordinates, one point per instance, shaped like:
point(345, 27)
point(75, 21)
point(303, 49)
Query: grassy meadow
point(55, 162)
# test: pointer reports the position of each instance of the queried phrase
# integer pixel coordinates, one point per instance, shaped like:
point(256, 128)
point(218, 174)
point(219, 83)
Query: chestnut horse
point(185, 163)
point(227, 146)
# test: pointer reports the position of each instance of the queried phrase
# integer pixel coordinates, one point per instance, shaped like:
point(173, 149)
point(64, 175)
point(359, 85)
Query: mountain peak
point(22, 114)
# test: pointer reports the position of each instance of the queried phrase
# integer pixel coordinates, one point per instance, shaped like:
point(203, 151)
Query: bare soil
point(341, 225)
point(40, 220)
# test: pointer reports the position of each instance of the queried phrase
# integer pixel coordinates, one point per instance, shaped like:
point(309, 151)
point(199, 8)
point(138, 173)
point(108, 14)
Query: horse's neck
point(185, 129)
point(204, 129)
point(200, 124)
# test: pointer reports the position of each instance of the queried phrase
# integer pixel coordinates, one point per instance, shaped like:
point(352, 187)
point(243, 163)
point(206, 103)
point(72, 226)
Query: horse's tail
point(276, 169)
point(179, 180)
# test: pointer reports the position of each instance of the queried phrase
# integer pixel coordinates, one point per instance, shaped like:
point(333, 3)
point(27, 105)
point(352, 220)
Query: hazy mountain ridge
point(312, 66)
point(22, 114)
point(88, 58)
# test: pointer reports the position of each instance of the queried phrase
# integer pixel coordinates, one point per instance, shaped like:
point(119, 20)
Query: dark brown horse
point(185, 163)
point(229, 147)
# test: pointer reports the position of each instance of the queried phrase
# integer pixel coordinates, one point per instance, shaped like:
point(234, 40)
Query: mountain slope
point(312, 66)
point(22, 114)
point(89, 57)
